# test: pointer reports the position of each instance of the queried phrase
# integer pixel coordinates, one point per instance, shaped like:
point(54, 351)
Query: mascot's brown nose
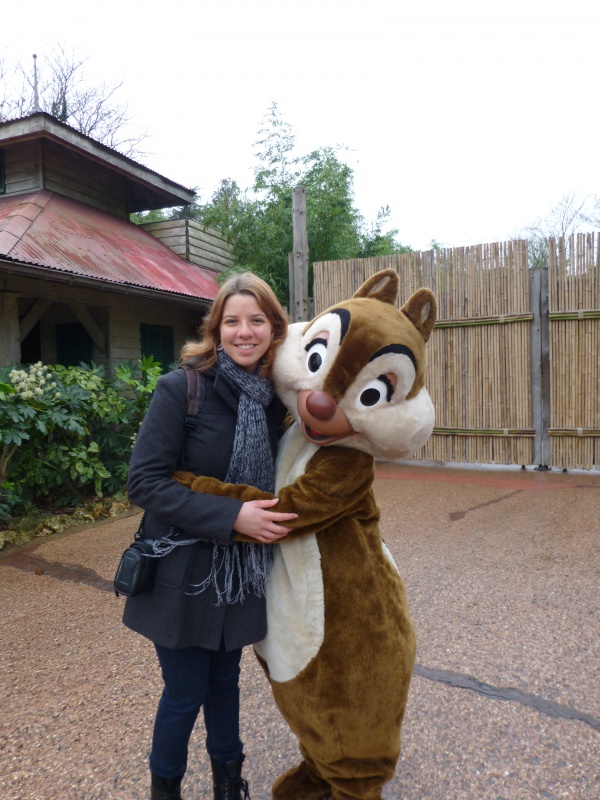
point(321, 405)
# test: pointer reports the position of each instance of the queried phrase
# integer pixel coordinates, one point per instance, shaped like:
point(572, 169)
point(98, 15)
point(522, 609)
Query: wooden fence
point(513, 360)
point(574, 344)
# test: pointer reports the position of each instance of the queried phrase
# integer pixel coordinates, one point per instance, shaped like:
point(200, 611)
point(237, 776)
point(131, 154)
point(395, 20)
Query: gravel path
point(502, 571)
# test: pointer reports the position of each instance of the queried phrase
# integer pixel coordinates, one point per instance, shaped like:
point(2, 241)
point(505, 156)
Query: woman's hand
point(256, 521)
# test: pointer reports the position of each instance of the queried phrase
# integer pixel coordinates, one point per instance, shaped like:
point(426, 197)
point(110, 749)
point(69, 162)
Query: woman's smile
point(245, 331)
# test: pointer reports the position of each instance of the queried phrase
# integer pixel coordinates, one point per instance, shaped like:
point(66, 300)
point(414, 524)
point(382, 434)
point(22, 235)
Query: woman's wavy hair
point(202, 354)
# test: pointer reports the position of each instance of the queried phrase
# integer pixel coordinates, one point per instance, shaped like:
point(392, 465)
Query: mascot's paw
point(300, 783)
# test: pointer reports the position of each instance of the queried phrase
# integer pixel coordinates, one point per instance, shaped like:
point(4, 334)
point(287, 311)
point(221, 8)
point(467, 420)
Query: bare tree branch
point(572, 214)
point(65, 92)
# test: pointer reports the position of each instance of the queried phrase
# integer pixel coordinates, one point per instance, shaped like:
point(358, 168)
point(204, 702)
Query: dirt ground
point(502, 570)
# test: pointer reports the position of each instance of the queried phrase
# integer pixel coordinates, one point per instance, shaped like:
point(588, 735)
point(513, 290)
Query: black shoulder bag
point(137, 568)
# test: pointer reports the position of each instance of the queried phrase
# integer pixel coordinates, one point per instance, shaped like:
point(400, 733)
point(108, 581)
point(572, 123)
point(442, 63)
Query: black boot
point(228, 783)
point(165, 788)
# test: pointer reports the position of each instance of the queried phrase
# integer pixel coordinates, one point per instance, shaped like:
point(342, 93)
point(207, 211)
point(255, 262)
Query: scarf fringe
point(246, 566)
point(162, 547)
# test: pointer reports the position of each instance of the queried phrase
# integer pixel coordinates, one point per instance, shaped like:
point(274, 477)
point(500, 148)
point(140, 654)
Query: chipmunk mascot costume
point(340, 647)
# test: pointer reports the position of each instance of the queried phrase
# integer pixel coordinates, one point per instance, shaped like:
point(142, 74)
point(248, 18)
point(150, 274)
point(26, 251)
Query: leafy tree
point(65, 92)
point(157, 215)
point(258, 221)
point(375, 242)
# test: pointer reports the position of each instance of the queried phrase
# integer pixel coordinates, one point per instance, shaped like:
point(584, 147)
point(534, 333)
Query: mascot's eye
point(375, 392)
point(315, 354)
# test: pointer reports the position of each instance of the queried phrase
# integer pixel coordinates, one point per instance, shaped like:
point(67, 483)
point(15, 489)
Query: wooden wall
point(22, 168)
point(41, 164)
point(118, 316)
point(63, 313)
point(82, 180)
point(191, 241)
point(125, 320)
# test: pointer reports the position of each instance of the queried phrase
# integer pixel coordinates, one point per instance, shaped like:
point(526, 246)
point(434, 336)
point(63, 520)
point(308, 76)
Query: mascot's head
point(354, 376)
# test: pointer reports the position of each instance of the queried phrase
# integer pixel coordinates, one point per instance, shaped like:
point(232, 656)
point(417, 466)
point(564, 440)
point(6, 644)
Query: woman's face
point(245, 331)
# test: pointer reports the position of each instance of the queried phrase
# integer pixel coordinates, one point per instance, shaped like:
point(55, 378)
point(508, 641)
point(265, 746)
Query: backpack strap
point(196, 389)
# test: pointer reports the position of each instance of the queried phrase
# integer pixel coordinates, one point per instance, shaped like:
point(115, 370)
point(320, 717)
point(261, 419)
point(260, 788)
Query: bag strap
point(196, 389)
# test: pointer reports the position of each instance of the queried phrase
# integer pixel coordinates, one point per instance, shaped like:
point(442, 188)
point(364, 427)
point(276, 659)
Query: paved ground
point(503, 575)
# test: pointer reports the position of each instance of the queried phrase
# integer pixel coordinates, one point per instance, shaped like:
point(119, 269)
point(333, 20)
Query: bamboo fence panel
point(574, 312)
point(479, 354)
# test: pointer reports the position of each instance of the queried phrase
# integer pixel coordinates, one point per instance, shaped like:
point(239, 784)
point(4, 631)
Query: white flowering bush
point(34, 383)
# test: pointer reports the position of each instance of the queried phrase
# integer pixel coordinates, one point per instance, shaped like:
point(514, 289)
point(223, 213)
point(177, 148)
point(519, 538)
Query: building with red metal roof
point(78, 280)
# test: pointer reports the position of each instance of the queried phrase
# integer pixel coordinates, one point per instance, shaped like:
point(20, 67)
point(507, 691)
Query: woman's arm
point(335, 482)
point(157, 453)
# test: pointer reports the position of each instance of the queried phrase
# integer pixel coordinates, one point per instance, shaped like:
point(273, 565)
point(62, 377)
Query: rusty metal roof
point(50, 231)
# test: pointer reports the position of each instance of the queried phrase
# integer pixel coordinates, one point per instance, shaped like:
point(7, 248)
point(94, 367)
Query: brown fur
point(347, 705)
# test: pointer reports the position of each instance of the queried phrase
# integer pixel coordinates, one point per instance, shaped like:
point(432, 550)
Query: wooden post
point(33, 316)
point(540, 367)
point(91, 326)
point(10, 341)
point(298, 259)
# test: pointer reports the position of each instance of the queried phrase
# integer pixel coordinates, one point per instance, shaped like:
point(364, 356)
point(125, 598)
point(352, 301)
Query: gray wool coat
point(171, 614)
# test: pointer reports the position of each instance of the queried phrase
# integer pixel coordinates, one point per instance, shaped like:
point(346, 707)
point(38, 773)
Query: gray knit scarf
point(239, 568)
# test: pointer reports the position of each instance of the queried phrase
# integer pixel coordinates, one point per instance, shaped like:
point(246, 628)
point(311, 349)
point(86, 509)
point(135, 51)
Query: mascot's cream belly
point(295, 596)
point(295, 603)
point(340, 647)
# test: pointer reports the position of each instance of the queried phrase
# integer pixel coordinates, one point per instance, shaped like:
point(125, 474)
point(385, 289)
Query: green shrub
point(67, 432)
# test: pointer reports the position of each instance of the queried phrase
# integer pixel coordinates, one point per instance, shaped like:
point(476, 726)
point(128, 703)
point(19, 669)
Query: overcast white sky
point(469, 118)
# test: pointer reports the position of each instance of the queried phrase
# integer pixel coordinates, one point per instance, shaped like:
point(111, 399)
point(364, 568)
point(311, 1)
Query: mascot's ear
point(421, 309)
point(381, 286)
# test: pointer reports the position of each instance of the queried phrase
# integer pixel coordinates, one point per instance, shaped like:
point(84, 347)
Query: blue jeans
point(196, 677)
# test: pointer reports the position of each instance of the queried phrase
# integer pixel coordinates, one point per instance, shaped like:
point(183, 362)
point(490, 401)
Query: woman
point(208, 601)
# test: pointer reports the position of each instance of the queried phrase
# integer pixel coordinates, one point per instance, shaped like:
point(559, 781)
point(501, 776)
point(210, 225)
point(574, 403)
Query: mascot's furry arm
point(335, 485)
